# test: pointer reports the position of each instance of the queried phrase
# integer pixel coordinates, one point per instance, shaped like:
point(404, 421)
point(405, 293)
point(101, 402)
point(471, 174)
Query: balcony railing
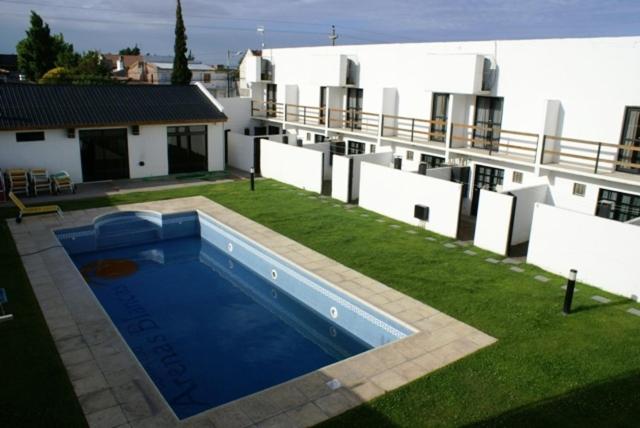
point(589, 155)
point(414, 130)
point(495, 141)
point(267, 109)
point(306, 115)
point(354, 120)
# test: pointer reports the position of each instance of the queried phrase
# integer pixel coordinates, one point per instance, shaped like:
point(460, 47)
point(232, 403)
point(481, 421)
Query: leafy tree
point(56, 76)
point(65, 54)
point(89, 69)
point(36, 52)
point(181, 75)
point(130, 51)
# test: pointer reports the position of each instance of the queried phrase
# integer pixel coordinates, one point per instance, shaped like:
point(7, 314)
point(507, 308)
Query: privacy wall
point(493, 223)
point(602, 250)
point(240, 151)
point(395, 193)
point(346, 172)
point(293, 165)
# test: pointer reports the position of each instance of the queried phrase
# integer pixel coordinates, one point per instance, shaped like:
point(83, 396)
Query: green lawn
point(546, 369)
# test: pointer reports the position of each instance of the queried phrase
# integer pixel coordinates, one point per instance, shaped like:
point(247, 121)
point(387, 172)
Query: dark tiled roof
point(56, 106)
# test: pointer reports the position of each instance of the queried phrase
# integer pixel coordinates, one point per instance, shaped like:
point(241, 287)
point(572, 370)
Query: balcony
point(355, 121)
point(267, 110)
point(415, 131)
point(613, 161)
point(496, 143)
point(305, 115)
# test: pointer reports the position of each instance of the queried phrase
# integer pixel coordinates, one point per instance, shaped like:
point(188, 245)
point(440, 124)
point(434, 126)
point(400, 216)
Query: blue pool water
point(205, 320)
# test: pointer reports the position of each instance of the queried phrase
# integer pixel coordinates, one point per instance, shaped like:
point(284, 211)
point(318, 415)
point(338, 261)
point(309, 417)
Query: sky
point(215, 27)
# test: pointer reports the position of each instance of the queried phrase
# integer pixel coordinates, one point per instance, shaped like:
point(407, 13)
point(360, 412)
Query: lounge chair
point(40, 181)
point(18, 182)
point(3, 299)
point(24, 210)
point(62, 182)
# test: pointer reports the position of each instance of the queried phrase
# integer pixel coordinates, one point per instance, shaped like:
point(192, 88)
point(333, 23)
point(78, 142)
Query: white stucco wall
point(293, 165)
point(394, 193)
point(57, 152)
point(598, 248)
point(493, 221)
point(240, 151)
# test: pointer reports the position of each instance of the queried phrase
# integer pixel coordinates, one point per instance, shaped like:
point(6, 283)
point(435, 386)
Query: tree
point(56, 76)
point(181, 75)
point(36, 52)
point(130, 51)
point(66, 56)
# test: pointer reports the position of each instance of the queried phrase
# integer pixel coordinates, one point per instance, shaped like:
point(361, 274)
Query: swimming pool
point(212, 316)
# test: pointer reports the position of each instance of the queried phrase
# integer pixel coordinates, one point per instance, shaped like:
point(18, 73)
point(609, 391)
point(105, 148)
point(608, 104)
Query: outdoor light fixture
point(253, 178)
point(568, 297)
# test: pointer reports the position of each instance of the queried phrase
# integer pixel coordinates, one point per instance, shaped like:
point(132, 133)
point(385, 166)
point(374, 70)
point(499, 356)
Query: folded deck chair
point(3, 299)
point(62, 182)
point(24, 210)
point(40, 182)
point(18, 182)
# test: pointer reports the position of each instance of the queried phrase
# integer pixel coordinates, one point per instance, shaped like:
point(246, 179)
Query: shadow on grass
point(614, 403)
point(590, 307)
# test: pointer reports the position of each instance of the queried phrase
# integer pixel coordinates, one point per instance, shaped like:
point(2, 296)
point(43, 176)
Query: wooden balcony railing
point(354, 120)
point(306, 115)
point(495, 140)
point(589, 154)
point(413, 129)
point(267, 109)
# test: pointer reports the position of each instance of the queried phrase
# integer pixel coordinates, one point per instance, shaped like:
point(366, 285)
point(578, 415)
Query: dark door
point(187, 148)
point(439, 108)
point(256, 155)
point(104, 154)
point(485, 178)
point(336, 148)
point(617, 205)
point(489, 120)
point(271, 100)
point(630, 153)
point(354, 107)
point(323, 104)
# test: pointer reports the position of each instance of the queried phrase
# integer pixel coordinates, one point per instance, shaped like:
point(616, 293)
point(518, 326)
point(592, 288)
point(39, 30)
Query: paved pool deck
point(115, 391)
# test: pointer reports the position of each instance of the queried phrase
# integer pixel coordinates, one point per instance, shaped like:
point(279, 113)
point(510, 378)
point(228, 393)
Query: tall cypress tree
point(181, 75)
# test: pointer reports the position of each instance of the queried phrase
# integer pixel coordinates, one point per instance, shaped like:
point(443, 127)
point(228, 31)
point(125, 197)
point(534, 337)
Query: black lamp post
point(568, 297)
point(253, 178)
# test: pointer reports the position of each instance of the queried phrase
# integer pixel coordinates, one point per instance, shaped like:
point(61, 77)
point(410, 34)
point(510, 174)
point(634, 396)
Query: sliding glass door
point(354, 107)
point(104, 154)
point(488, 121)
point(187, 148)
point(439, 108)
point(629, 154)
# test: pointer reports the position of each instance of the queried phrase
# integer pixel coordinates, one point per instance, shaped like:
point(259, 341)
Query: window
point(22, 137)
point(372, 148)
point(271, 100)
point(409, 155)
point(336, 148)
point(356, 148)
point(323, 104)
point(319, 138)
point(516, 177)
point(354, 108)
point(308, 136)
point(579, 189)
point(432, 161)
point(488, 121)
point(439, 107)
point(187, 148)
point(206, 77)
point(629, 154)
point(617, 205)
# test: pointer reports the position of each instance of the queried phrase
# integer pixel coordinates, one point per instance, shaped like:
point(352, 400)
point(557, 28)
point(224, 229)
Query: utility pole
point(333, 36)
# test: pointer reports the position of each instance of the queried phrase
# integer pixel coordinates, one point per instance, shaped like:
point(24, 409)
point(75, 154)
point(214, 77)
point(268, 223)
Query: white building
point(514, 107)
point(554, 122)
point(111, 132)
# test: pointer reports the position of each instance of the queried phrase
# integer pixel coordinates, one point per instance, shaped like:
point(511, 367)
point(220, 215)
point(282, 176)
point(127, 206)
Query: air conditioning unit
point(421, 212)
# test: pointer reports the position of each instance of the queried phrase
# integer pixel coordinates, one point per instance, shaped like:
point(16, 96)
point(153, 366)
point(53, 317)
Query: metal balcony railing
point(590, 154)
point(413, 129)
point(354, 120)
point(306, 115)
point(495, 140)
point(267, 109)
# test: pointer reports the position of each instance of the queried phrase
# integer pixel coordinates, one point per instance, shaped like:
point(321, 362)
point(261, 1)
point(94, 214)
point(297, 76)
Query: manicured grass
point(546, 369)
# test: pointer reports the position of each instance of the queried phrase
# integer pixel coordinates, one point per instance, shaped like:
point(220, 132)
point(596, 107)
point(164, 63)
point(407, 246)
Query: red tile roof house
point(107, 132)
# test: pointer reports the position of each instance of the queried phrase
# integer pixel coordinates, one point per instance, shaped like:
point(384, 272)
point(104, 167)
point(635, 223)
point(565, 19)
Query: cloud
point(215, 26)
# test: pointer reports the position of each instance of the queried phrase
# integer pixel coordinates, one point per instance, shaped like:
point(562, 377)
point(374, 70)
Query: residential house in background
point(119, 64)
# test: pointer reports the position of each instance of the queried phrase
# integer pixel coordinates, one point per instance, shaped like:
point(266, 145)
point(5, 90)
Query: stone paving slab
point(634, 311)
point(516, 269)
point(114, 390)
point(541, 278)
point(600, 299)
